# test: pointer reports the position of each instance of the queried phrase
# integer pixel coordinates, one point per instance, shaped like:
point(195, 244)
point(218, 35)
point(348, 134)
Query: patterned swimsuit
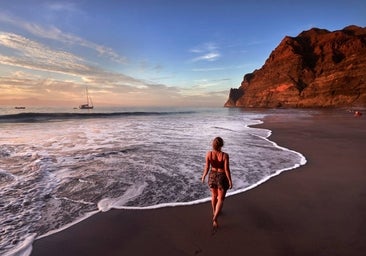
point(216, 179)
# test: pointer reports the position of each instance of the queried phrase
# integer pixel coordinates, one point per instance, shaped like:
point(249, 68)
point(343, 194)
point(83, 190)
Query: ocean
point(59, 166)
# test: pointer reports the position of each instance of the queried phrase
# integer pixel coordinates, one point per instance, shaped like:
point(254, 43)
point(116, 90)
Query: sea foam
point(63, 168)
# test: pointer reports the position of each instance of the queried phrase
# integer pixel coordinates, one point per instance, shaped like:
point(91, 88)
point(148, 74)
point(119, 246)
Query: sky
point(148, 52)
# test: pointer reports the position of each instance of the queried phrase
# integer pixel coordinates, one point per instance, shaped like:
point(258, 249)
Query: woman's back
point(217, 160)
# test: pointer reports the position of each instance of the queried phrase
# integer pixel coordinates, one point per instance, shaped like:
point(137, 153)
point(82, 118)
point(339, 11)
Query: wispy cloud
point(54, 33)
point(33, 55)
point(26, 53)
point(206, 83)
point(25, 87)
point(62, 6)
point(22, 52)
point(210, 69)
point(212, 56)
point(42, 72)
point(206, 52)
point(210, 46)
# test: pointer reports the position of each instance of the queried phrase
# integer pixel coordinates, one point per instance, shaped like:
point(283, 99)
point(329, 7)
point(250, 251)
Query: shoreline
point(317, 209)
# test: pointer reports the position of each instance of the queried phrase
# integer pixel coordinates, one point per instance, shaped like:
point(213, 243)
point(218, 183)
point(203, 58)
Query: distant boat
point(19, 107)
point(89, 102)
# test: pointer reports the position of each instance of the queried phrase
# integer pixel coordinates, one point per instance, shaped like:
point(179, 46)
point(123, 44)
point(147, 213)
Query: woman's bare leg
point(220, 202)
point(214, 194)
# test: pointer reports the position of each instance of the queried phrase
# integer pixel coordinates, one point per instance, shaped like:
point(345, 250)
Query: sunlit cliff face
point(318, 68)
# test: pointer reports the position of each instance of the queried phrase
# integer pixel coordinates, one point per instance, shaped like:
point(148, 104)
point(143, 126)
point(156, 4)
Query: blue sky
point(148, 52)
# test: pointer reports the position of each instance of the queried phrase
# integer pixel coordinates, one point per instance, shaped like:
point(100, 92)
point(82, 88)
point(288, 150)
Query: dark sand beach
point(317, 209)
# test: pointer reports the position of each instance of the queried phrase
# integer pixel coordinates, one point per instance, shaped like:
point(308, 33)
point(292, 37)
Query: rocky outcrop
point(318, 68)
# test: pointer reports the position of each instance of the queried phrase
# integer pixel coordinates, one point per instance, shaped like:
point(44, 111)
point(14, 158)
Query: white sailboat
point(89, 102)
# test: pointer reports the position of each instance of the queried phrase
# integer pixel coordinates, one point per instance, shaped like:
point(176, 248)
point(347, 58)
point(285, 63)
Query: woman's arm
point(227, 170)
point(207, 167)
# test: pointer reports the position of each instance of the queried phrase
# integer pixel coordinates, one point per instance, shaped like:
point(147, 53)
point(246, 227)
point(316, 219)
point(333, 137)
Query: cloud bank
point(39, 72)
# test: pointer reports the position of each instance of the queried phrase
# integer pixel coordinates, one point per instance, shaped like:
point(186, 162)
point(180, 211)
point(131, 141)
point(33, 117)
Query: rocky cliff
point(318, 68)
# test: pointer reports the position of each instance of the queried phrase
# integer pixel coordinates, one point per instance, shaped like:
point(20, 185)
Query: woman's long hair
point(217, 143)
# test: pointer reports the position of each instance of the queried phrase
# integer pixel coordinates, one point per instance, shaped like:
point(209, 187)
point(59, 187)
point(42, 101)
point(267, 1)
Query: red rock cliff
point(318, 68)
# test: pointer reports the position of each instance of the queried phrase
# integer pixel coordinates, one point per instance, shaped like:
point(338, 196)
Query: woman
point(219, 179)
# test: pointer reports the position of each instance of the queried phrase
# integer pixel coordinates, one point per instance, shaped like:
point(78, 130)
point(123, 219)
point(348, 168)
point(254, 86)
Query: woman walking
point(219, 179)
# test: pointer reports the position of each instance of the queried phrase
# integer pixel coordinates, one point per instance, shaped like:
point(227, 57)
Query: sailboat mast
point(87, 95)
point(88, 101)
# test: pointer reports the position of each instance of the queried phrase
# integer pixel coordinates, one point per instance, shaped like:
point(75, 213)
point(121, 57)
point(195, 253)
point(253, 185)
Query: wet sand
point(317, 209)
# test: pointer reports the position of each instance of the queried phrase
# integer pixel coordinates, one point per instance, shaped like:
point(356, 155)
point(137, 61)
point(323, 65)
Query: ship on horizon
point(89, 102)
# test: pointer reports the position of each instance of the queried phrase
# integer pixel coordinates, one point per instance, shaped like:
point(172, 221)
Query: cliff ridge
point(317, 68)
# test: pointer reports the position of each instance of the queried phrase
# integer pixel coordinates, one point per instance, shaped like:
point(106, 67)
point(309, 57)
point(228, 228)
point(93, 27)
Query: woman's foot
point(215, 225)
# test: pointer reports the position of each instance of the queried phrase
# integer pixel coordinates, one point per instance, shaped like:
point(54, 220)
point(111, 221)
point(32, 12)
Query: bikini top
point(218, 162)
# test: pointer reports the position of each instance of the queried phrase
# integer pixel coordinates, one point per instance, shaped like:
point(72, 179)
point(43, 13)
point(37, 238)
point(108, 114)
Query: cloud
point(27, 89)
point(45, 75)
point(210, 46)
point(33, 55)
point(54, 33)
point(62, 6)
point(207, 52)
point(66, 76)
point(210, 69)
point(29, 54)
point(212, 56)
point(30, 89)
point(204, 84)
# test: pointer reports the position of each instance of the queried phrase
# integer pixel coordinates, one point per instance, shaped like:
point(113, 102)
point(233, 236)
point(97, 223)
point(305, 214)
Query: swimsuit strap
point(217, 156)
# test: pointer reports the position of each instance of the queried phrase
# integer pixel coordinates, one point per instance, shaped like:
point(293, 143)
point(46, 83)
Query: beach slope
point(317, 209)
